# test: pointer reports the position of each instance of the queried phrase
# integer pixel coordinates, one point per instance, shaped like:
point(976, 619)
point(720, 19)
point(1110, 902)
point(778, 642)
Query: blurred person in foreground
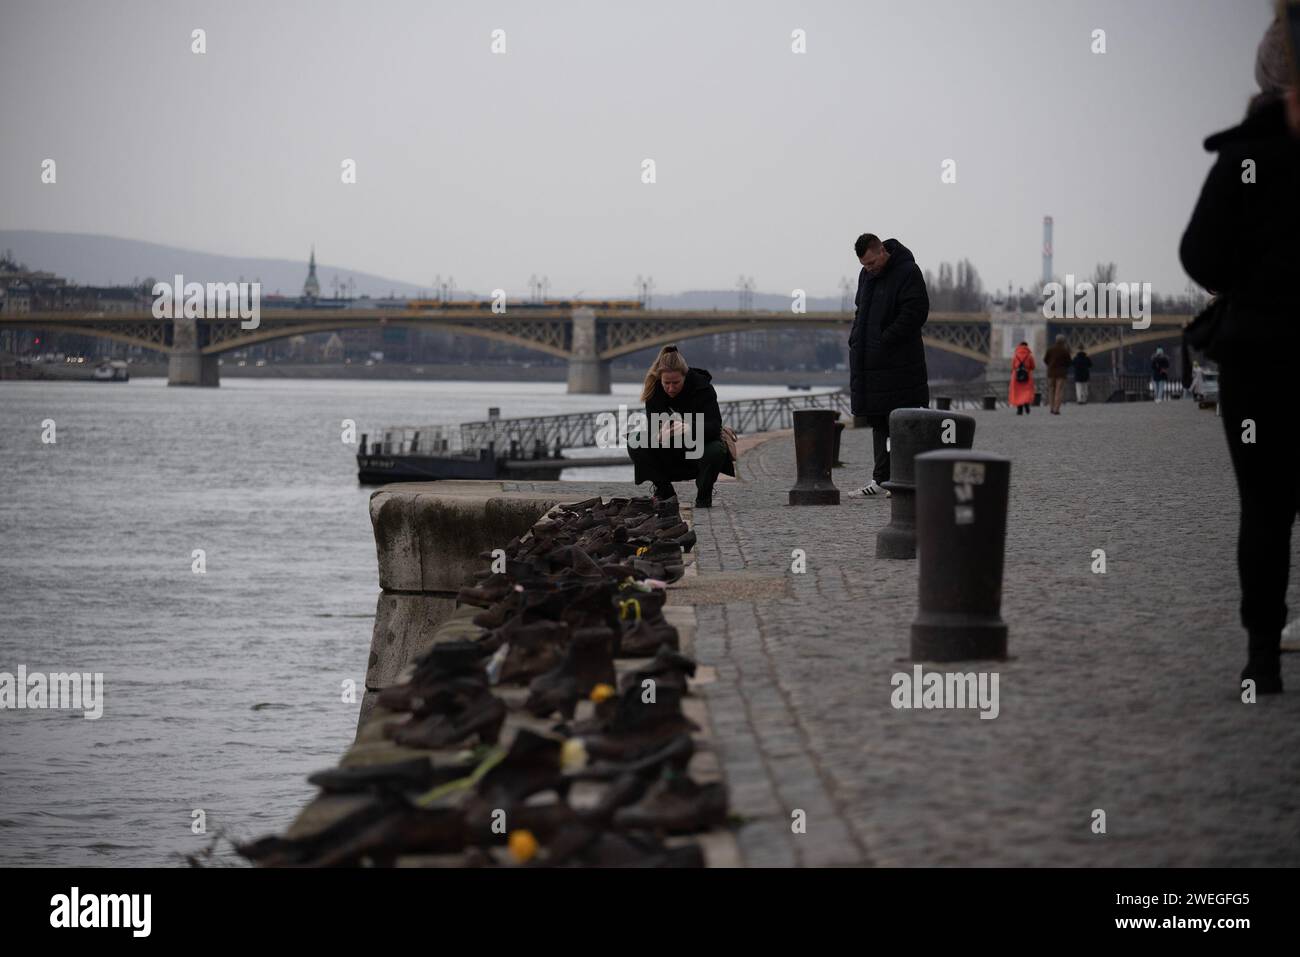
point(1243, 244)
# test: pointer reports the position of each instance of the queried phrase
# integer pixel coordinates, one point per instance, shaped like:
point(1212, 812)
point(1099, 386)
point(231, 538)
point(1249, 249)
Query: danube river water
point(222, 690)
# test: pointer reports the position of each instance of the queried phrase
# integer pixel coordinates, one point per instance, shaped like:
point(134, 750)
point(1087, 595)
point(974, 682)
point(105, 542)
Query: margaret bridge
point(588, 336)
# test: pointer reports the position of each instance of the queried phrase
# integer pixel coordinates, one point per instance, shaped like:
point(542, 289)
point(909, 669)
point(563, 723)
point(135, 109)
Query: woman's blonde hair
point(668, 360)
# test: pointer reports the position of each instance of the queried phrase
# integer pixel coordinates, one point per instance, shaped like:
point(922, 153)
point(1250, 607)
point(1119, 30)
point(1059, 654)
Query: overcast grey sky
point(492, 167)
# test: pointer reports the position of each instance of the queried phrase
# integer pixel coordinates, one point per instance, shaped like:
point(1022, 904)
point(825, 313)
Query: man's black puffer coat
point(886, 356)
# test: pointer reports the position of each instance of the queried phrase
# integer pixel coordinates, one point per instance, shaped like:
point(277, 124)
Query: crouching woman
point(669, 449)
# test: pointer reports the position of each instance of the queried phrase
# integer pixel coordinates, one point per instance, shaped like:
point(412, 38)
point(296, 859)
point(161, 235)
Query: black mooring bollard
point(911, 433)
point(839, 433)
point(990, 403)
point(814, 446)
point(942, 403)
point(961, 531)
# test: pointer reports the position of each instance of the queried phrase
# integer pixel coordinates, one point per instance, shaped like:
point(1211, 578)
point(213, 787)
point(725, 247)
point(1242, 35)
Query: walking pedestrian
point(1021, 391)
point(1159, 374)
point(886, 356)
point(1057, 360)
point(674, 394)
point(1256, 221)
point(1082, 374)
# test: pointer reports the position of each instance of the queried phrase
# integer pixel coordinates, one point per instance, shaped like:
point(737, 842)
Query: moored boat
point(434, 452)
point(111, 370)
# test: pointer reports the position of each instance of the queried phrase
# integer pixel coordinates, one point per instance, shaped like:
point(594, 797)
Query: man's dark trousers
point(880, 447)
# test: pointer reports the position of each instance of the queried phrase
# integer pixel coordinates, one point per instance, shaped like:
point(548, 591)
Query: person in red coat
point(1021, 393)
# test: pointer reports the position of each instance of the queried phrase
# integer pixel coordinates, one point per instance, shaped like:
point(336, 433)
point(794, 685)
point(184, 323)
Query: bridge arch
point(955, 348)
point(544, 333)
point(681, 332)
point(935, 340)
point(146, 336)
point(270, 333)
point(1099, 344)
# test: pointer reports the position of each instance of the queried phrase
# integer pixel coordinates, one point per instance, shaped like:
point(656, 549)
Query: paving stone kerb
point(1120, 695)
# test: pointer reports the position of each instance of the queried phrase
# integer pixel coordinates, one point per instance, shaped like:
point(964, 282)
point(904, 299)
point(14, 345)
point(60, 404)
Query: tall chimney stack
point(1047, 250)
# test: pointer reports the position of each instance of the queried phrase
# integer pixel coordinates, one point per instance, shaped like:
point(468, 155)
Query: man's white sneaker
point(872, 489)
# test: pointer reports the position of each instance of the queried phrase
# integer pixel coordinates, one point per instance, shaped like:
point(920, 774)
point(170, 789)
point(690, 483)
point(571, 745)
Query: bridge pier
point(589, 376)
point(186, 365)
point(588, 372)
point(192, 368)
point(1008, 331)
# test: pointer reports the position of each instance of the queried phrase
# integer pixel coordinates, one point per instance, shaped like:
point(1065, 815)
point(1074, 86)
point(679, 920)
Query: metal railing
point(579, 429)
point(1135, 386)
point(540, 436)
point(418, 439)
point(770, 415)
point(1143, 387)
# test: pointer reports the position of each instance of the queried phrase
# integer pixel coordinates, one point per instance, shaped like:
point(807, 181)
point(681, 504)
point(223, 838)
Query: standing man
point(886, 356)
point(1082, 373)
point(1057, 360)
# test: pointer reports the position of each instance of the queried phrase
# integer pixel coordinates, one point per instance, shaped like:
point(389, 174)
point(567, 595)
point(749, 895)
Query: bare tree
point(970, 290)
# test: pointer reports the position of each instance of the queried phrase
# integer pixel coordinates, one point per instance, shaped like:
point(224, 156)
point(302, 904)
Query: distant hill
point(109, 261)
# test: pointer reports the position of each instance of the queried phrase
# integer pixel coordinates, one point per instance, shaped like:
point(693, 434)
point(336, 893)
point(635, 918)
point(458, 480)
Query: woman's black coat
point(697, 395)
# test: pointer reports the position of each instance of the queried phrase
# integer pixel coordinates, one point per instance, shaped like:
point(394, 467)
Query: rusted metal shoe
point(642, 638)
point(417, 774)
point(675, 805)
point(589, 661)
point(669, 668)
point(534, 650)
point(481, 718)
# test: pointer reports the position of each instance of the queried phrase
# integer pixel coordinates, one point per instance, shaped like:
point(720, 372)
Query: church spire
point(311, 288)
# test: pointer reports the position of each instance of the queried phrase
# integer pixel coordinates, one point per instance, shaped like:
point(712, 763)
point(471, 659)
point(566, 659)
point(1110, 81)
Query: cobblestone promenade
point(1121, 694)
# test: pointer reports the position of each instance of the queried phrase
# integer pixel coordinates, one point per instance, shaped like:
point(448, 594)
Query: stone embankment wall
point(429, 537)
